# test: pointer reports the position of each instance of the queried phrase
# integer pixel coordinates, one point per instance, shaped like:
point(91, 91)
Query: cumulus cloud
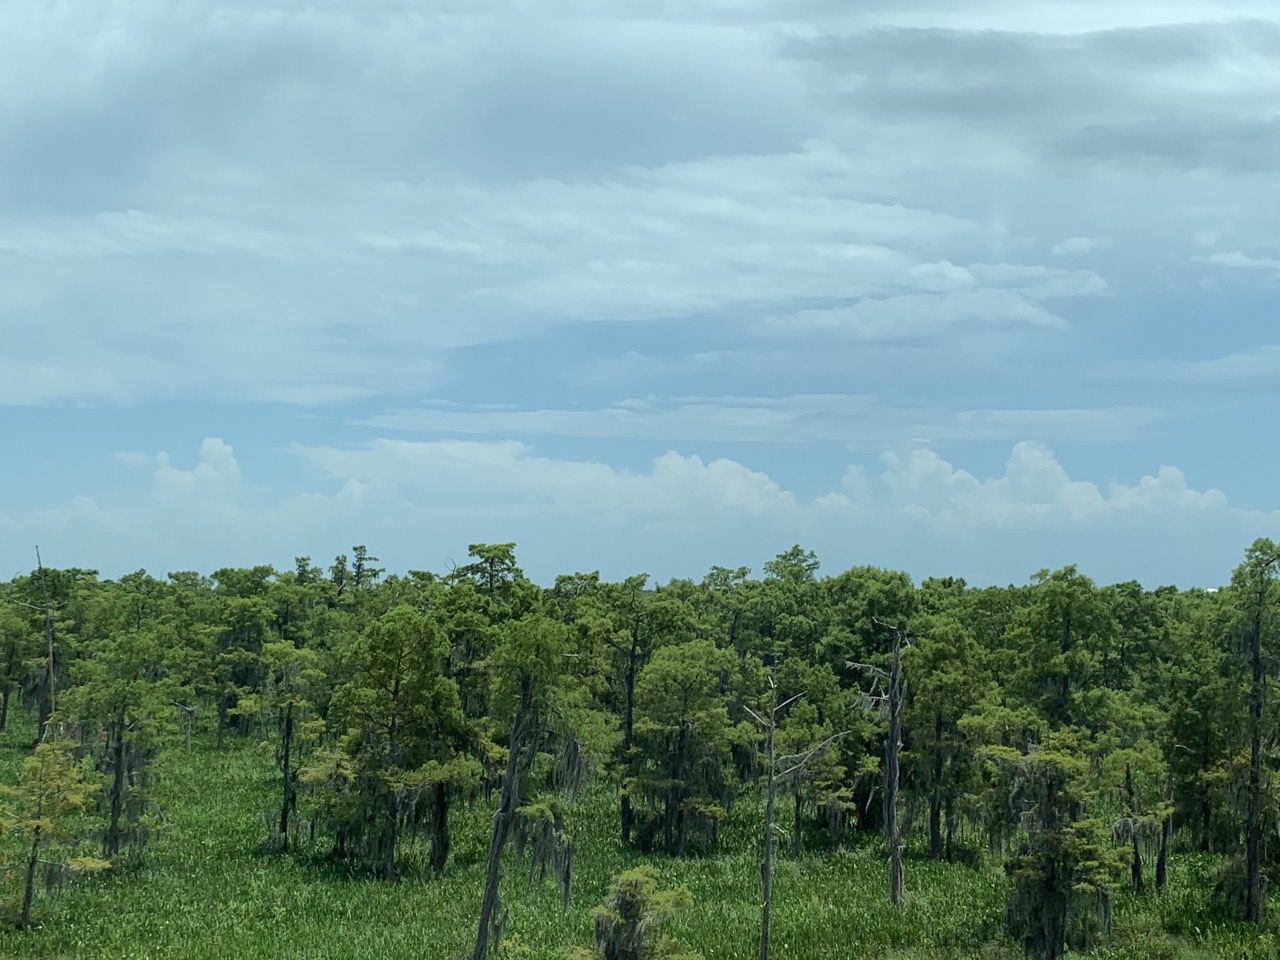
point(517, 479)
point(415, 500)
point(1035, 491)
point(215, 477)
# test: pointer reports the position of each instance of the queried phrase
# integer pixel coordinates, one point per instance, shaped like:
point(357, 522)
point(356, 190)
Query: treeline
point(1076, 733)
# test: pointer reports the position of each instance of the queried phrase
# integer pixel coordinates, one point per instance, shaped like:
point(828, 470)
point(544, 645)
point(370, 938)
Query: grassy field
point(203, 891)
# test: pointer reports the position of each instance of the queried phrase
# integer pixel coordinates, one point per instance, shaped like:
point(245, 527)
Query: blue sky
point(952, 286)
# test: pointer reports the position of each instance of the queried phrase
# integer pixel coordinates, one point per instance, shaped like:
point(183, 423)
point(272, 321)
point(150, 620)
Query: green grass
point(204, 891)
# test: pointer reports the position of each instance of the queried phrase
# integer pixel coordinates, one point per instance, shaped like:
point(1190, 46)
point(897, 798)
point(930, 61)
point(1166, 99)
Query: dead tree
point(778, 768)
point(889, 703)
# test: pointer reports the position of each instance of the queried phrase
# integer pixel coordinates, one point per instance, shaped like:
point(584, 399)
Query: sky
point(957, 287)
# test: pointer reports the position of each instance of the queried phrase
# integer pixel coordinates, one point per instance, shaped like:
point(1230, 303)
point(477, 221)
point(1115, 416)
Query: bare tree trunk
point(766, 864)
point(507, 802)
point(892, 748)
point(4, 708)
point(51, 682)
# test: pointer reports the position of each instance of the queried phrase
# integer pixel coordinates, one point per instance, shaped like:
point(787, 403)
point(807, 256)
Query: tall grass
point(202, 891)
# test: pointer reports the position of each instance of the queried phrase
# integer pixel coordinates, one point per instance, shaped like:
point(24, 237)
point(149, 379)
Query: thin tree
point(528, 665)
point(891, 703)
point(779, 768)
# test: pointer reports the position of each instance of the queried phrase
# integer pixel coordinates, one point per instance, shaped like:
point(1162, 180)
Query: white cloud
point(1243, 261)
point(508, 475)
point(852, 419)
point(215, 478)
point(1077, 246)
point(416, 502)
point(918, 316)
point(1034, 492)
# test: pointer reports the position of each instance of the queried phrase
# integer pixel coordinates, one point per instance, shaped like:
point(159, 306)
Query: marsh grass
point(203, 890)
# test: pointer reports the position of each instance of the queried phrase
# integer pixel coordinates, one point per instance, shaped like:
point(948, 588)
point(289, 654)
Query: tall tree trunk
point(391, 828)
point(4, 708)
point(111, 844)
point(440, 841)
point(766, 863)
point(1135, 868)
point(892, 748)
point(507, 802)
point(51, 673)
point(935, 799)
point(286, 801)
point(1253, 815)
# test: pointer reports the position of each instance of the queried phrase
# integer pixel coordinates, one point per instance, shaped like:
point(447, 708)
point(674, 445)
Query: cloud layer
point(710, 277)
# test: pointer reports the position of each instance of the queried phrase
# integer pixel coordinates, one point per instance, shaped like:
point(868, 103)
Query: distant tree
point(400, 733)
point(685, 739)
point(123, 698)
point(292, 685)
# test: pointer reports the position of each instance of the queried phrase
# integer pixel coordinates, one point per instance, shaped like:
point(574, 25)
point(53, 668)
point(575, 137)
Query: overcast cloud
point(955, 287)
